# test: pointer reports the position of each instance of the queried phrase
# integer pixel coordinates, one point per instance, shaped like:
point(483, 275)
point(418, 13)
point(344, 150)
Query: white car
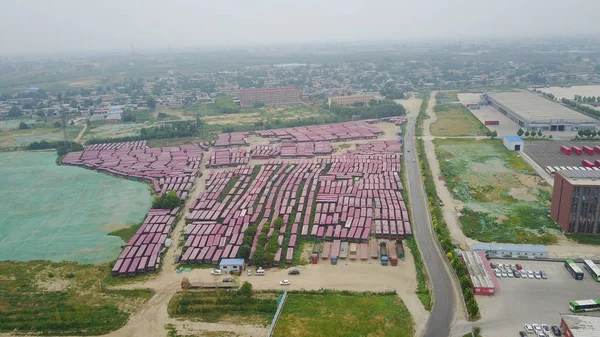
point(537, 275)
point(284, 283)
point(528, 328)
point(510, 274)
point(498, 274)
point(216, 272)
point(537, 328)
point(530, 274)
point(249, 272)
point(413, 160)
point(504, 274)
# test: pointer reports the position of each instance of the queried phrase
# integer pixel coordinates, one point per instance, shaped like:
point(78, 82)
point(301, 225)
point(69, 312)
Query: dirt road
point(80, 135)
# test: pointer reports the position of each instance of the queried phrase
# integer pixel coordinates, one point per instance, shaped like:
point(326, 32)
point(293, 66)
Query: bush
point(70, 275)
point(24, 126)
point(168, 200)
point(245, 289)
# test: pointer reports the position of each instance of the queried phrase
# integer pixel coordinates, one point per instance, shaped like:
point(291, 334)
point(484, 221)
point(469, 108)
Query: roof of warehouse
point(581, 177)
point(513, 139)
point(513, 248)
point(536, 108)
point(477, 270)
point(582, 325)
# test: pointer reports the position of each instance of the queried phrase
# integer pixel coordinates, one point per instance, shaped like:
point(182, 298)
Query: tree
point(127, 117)
point(373, 102)
point(488, 133)
point(520, 132)
point(168, 200)
point(550, 136)
point(539, 133)
point(526, 133)
point(580, 133)
point(244, 251)
point(151, 102)
point(594, 133)
point(14, 111)
point(465, 282)
point(468, 294)
point(245, 289)
point(494, 134)
point(24, 126)
point(472, 307)
point(57, 124)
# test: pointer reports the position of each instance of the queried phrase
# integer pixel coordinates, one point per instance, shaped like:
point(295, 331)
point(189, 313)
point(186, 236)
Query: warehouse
point(231, 264)
point(575, 205)
point(493, 250)
point(580, 325)
point(483, 282)
point(532, 112)
point(513, 143)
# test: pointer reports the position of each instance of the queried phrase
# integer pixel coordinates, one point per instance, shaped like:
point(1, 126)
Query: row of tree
point(581, 108)
point(386, 108)
point(532, 134)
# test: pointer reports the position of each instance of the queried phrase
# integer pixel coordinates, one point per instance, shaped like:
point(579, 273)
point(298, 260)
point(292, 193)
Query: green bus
point(574, 269)
point(584, 305)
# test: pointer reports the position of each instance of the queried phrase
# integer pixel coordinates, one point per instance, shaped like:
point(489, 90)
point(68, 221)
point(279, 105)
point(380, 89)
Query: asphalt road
point(444, 306)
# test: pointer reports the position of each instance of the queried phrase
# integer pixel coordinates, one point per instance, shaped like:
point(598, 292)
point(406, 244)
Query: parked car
point(544, 275)
point(546, 328)
point(556, 331)
point(177, 258)
point(522, 334)
point(249, 272)
point(510, 274)
point(537, 275)
point(217, 272)
point(530, 274)
point(523, 274)
point(537, 328)
point(519, 267)
point(492, 265)
point(517, 274)
point(284, 283)
point(528, 328)
point(498, 274)
point(504, 274)
point(294, 272)
point(235, 272)
point(228, 279)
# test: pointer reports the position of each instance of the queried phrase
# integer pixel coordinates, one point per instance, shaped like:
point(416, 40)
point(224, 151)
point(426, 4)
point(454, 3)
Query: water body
point(63, 213)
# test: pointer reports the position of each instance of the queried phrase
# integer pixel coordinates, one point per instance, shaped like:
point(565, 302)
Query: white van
point(260, 272)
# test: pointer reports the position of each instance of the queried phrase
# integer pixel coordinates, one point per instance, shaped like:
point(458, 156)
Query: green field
point(454, 120)
point(504, 199)
point(344, 314)
point(50, 212)
point(223, 305)
point(43, 129)
point(449, 95)
point(62, 299)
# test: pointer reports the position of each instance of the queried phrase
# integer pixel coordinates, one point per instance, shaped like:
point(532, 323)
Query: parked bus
point(593, 269)
point(563, 168)
point(550, 170)
point(556, 168)
point(584, 305)
point(574, 269)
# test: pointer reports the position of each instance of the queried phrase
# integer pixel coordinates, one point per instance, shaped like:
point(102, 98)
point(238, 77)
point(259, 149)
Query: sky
point(44, 26)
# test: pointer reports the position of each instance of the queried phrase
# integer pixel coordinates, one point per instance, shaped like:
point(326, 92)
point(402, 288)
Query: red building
point(483, 279)
point(579, 325)
point(270, 96)
point(576, 201)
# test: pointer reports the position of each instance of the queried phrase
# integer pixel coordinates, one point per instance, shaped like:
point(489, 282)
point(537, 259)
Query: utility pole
point(132, 49)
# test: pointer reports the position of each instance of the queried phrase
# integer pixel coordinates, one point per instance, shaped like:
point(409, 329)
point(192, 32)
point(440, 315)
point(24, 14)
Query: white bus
point(550, 170)
point(591, 268)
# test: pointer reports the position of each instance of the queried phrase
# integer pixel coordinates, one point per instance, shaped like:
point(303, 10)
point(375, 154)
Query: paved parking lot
point(527, 301)
point(548, 153)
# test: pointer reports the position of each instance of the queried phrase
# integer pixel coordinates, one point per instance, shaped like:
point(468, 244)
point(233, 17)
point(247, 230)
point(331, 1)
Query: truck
point(400, 249)
point(316, 251)
point(353, 251)
point(392, 257)
point(334, 259)
point(383, 253)
point(344, 250)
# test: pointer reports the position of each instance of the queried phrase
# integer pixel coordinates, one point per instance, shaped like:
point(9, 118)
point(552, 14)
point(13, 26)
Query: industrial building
point(269, 96)
point(231, 264)
point(349, 100)
point(493, 250)
point(513, 143)
point(576, 201)
point(533, 112)
point(483, 281)
point(580, 325)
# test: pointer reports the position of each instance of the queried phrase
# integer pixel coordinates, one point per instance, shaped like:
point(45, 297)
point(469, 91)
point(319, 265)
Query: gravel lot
point(527, 301)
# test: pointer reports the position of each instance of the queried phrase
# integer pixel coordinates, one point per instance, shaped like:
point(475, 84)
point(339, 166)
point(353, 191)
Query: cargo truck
point(314, 258)
point(383, 254)
point(400, 249)
point(344, 250)
point(353, 251)
point(392, 256)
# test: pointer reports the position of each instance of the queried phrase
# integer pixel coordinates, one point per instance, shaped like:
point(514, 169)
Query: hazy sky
point(83, 25)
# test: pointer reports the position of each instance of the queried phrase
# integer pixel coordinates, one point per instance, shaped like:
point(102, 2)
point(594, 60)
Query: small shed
point(231, 264)
point(513, 143)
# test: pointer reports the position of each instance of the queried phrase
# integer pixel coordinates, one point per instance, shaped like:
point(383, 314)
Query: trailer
point(392, 257)
point(578, 151)
point(589, 150)
point(400, 249)
point(317, 246)
point(492, 123)
point(383, 253)
point(587, 163)
point(373, 249)
point(565, 150)
point(353, 251)
point(326, 250)
point(344, 250)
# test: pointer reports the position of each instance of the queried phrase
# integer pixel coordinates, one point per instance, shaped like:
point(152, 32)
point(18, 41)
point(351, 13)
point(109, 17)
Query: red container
point(587, 163)
point(565, 149)
point(492, 122)
point(578, 151)
point(588, 150)
point(597, 163)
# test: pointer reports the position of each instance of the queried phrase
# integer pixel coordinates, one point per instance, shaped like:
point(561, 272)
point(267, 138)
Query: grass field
point(588, 239)
point(101, 130)
point(42, 129)
point(222, 305)
point(504, 200)
point(61, 213)
point(454, 120)
point(449, 95)
point(62, 299)
point(347, 314)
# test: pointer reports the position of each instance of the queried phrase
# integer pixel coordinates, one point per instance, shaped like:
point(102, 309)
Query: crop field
point(222, 305)
point(11, 136)
point(347, 314)
point(454, 120)
point(60, 213)
point(61, 299)
point(269, 115)
point(103, 131)
point(504, 199)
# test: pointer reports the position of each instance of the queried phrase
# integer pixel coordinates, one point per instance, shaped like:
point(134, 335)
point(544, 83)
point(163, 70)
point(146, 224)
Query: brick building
point(580, 325)
point(349, 100)
point(576, 201)
point(270, 96)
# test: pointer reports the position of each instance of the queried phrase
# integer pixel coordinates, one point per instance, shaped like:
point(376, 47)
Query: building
point(493, 250)
point(349, 100)
point(513, 143)
point(576, 201)
point(580, 325)
point(533, 112)
point(269, 96)
point(231, 264)
point(480, 273)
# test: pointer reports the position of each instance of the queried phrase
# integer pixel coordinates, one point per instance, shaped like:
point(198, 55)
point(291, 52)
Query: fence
point(277, 313)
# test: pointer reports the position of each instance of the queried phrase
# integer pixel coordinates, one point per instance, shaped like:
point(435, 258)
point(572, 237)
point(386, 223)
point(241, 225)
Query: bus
point(584, 305)
point(550, 170)
point(574, 269)
point(591, 267)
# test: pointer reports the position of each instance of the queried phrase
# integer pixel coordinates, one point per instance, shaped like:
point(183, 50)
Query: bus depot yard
point(549, 153)
point(501, 197)
point(523, 301)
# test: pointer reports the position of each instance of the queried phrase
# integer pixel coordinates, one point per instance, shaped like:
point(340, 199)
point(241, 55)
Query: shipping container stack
point(233, 139)
point(228, 158)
